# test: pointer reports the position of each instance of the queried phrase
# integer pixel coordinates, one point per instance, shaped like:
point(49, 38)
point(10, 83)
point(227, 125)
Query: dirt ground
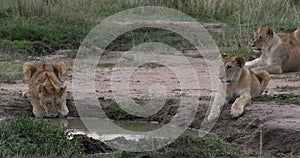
point(265, 128)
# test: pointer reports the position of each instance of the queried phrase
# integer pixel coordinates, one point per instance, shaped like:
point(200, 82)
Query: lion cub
point(239, 84)
point(279, 53)
point(46, 93)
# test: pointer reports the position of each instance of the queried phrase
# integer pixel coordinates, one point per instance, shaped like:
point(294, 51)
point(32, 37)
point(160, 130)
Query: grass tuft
point(287, 88)
point(188, 146)
point(25, 137)
point(279, 98)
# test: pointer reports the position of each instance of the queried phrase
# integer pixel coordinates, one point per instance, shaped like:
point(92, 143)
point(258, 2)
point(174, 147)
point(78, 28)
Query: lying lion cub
point(46, 93)
point(239, 84)
point(293, 39)
point(279, 53)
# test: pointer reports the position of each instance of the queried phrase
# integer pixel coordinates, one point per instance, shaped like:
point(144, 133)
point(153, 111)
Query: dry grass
point(276, 12)
point(34, 25)
point(242, 16)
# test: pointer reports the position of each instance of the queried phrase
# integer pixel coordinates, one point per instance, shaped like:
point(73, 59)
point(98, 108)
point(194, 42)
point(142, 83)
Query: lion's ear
point(223, 56)
point(63, 89)
point(60, 69)
point(240, 61)
point(269, 31)
point(28, 69)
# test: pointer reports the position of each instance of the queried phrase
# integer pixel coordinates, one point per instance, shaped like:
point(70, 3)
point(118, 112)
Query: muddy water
point(137, 129)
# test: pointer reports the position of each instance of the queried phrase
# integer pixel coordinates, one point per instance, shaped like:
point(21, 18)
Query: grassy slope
point(39, 27)
point(43, 27)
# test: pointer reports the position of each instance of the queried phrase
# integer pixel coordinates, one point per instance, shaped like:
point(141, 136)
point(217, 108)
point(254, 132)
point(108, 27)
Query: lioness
point(239, 84)
point(46, 93)
point(278, 55)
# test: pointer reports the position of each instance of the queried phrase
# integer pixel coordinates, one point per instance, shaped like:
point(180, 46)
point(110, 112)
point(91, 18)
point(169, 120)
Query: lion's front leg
point(272, 69)
point(254, 63)
point(38, 110)
point(237, 107)
point(216, 107)
point(63, 109)
point(264, 79)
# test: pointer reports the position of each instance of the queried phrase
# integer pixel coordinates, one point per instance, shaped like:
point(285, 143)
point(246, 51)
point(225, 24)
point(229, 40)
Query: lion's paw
point(236, 111)
point(212, 116)
point(39, 114)
point(24, 94)
point(63, 113)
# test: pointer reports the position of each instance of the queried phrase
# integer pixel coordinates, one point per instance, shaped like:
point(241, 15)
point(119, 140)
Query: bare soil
point(265, 128)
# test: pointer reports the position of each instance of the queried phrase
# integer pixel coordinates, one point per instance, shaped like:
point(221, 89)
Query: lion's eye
point(228, 67)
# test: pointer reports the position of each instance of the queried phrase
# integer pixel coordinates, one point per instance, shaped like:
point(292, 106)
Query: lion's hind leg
point(264, 79)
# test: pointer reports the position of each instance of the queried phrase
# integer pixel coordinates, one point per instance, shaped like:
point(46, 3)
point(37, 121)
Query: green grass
point(287, 88)
point(279, 98)
point(188, 146)
point(197, 56)
point(25, 137)
point(11, 71)
point(152, 65)
point(248, 55)
point(279, 77)
point(72, 54)
point(288, 78)
point(206, 98)
point(116, 113)
point(106, 65)
point(41, 36)
point(143, 35)
point(50, 25)
point(130, 64)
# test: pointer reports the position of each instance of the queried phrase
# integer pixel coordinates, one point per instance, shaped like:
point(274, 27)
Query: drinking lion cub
point(239, 84)
point(46, 93)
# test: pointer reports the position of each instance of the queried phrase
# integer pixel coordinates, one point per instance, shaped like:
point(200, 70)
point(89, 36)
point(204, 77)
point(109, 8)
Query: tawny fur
point(46, 92)
point(294, 39)
point(239, 84)
point(280, 53)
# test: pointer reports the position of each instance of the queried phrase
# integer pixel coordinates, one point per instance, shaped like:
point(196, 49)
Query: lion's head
point(261, 38)
point(294, 39)
point(230, 70)
point(47, 92)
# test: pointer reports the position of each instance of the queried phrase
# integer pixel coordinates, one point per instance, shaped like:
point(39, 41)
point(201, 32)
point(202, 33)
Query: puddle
point(137, 130)
point(4, 118)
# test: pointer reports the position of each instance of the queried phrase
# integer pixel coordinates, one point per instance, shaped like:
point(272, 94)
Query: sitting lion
point(239, 84)
point(279, 53)
point(46, 93)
